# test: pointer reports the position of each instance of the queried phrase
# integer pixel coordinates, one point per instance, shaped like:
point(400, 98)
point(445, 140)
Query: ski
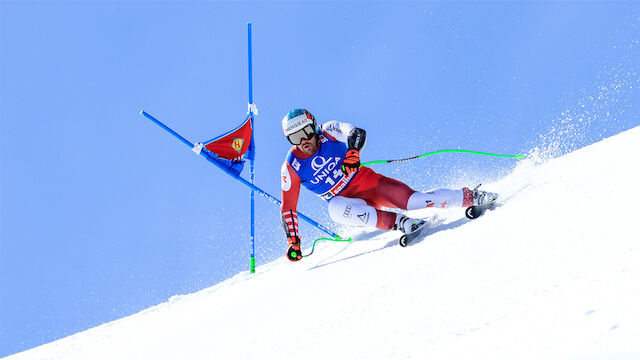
point(475, 211)
point(406, 239)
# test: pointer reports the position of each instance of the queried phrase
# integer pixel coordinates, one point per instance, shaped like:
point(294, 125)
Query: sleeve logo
point(296, 164)
point(285, 178)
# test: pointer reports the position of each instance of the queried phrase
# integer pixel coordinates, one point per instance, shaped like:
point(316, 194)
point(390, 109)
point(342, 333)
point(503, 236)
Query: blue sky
point(102, 214)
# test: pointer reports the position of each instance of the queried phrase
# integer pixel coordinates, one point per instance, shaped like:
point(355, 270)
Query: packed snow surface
point(554, 273)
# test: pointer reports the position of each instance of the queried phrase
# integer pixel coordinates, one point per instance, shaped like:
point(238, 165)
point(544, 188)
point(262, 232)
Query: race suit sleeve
point(290, 185)
point(354, 137)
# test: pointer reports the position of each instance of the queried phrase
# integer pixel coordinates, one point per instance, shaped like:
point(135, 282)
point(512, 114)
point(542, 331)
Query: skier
point(326, 160)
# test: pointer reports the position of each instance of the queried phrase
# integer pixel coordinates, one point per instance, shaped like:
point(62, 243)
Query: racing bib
point(322, 172)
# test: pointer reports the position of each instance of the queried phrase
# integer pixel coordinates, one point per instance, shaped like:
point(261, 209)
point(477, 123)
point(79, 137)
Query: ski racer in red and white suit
point(326, 160)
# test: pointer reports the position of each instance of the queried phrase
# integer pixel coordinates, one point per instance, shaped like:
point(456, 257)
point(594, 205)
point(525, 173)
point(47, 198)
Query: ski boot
point(410, 227)
point(481, 197)
point(482, 201)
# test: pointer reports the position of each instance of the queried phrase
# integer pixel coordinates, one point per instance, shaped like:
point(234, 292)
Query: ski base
point(475, 211)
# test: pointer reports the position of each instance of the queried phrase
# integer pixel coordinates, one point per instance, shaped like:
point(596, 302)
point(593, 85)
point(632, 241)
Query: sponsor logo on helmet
point(299, 124)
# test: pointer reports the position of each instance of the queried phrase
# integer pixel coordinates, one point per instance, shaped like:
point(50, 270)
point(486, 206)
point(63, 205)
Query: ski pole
point(212, 158)
point(313, 247)
point(518, 156)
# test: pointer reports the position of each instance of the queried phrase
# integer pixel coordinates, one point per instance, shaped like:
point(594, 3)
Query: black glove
point(294, 253)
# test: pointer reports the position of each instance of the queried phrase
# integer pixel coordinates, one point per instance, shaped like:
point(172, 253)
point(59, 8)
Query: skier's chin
point(307, 148)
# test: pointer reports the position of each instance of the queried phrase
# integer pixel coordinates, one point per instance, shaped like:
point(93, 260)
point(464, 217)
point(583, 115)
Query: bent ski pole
point(325, 239)
point(212, 158)
point(518, 156)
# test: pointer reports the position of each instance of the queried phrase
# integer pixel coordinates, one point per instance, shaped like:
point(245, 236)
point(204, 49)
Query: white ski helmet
point(298, 124)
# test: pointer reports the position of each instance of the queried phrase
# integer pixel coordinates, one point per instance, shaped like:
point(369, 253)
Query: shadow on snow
point(435, 230)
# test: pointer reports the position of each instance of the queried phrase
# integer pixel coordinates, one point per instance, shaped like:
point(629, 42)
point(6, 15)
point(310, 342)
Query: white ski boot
point(481, 197)
point(411, 228)
point(407, 225)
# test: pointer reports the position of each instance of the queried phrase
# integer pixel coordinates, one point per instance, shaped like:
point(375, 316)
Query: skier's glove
point(294, 253)
point(351, 162)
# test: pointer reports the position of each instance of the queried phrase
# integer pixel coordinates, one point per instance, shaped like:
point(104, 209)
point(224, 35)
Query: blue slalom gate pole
point(250, 69)
point(252, 149)
point(212, 158)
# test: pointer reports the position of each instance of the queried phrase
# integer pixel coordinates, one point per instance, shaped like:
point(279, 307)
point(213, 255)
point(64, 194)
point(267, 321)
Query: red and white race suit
point(356, 199)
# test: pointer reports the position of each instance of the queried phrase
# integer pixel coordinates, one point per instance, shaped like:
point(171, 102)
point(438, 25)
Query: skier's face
point(309, 146)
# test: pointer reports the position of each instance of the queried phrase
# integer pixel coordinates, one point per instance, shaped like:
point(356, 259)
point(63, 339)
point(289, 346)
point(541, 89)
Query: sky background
point(103, 214)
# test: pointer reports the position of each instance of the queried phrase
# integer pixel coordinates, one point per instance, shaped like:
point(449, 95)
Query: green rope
point(337, 238)
point(440, 152)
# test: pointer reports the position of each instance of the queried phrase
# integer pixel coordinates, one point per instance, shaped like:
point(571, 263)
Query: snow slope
point(552, 274)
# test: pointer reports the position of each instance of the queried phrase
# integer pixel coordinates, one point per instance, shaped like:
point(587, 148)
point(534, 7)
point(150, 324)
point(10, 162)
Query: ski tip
point(142, 112)
point(470, 213)
point(403, 240)
point(519, 156)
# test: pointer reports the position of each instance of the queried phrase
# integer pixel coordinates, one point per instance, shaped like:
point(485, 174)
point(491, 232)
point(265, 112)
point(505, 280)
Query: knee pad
point(349, 211)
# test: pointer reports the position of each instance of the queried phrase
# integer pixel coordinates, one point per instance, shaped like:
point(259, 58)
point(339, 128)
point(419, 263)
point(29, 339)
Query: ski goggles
point(306, 133)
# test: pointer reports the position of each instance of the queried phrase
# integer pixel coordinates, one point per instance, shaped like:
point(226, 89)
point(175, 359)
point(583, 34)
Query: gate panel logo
point(237, 144)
